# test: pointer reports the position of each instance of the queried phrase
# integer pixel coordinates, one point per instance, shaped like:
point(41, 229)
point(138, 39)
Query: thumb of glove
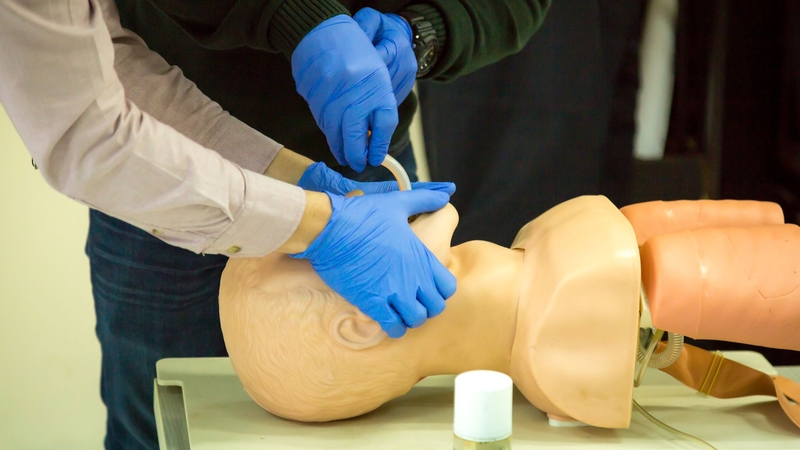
point(369, 20)
point(421, 201)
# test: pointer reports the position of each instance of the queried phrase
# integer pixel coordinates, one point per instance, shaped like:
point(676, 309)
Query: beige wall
point(49, 355)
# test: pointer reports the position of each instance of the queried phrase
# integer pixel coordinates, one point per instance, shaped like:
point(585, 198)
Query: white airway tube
point(398, 171)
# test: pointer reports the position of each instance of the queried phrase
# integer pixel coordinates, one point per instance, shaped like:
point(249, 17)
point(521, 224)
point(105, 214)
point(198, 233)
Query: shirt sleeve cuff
point(296, 18)
point(272, 211)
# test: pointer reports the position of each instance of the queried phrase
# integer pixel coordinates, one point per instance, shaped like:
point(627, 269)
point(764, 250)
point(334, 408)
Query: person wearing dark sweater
point(265, 62)
point(239, 52)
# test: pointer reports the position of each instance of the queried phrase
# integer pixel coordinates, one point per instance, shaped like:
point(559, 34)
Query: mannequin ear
point(356, 331)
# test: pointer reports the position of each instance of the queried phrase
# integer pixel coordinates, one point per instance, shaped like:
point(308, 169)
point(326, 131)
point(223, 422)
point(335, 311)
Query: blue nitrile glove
point(391, 35)
point(347, 85)
point(319, 177)
point(368, 254)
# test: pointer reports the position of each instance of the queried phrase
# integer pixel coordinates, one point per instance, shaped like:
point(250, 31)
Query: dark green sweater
point(238, 51)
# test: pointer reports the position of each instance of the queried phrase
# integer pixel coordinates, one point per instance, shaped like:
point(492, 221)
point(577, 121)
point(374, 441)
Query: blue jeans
point(155, 301)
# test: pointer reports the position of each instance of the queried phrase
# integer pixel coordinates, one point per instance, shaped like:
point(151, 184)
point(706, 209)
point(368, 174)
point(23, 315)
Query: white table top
point(220, 415)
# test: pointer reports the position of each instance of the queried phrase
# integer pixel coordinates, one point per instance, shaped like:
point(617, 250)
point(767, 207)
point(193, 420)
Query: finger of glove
point(369, 20)
point(429, 297)
point(413, 313)
point(444, 280)
point(382, 187)
point(384, 122)
point(354, 133)
point(449, 188)
point(403, 67)
point(332, 127)
point(397, 330)
point(337, 184)
point(387, 50)
point(377, 187)
point(421, 201)
point(382, 312)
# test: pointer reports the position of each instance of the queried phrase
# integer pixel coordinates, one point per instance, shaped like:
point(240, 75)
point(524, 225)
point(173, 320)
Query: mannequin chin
point(564, 298)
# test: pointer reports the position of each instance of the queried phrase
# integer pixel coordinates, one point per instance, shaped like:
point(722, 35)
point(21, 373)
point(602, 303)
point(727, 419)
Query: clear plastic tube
point(398, 171)
point(674, 340)
point(645, 359)
point(665, 358)
point(669, 429)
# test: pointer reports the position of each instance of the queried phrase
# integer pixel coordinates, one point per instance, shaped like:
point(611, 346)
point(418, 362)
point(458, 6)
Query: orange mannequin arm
point(738, 284)
point(653, 218)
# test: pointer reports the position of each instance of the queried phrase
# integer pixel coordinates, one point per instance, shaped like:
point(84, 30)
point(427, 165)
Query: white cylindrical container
point(482, 418)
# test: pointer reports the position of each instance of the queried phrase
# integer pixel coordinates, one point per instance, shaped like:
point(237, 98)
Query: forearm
point(288, 166)
point(479, 32)
point(162, 91)
point(68, 106)
point(315, 217)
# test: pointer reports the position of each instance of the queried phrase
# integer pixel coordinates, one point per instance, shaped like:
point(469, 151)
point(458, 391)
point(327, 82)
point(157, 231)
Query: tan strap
point(711, 374)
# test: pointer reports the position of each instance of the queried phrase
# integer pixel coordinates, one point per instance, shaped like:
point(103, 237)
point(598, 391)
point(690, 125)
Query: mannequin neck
point(476, 330)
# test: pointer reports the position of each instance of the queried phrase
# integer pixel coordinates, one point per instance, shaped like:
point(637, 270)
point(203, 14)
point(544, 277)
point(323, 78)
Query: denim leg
point(405, 156)
point(152, 301)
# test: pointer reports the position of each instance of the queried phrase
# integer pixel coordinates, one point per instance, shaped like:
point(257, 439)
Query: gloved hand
point(368, 254)
point(319, 177)
point(347, 86)
point(391, 35)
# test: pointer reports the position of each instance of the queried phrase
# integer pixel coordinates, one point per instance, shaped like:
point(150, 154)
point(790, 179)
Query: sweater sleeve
point(476, 33)
point(270, 25)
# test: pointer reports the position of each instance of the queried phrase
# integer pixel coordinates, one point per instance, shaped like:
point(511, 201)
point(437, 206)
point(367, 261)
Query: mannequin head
point(304, 353)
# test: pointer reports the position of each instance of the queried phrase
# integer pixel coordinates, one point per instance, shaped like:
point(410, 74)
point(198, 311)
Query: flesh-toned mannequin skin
point(733, 270)
point(563, 299)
